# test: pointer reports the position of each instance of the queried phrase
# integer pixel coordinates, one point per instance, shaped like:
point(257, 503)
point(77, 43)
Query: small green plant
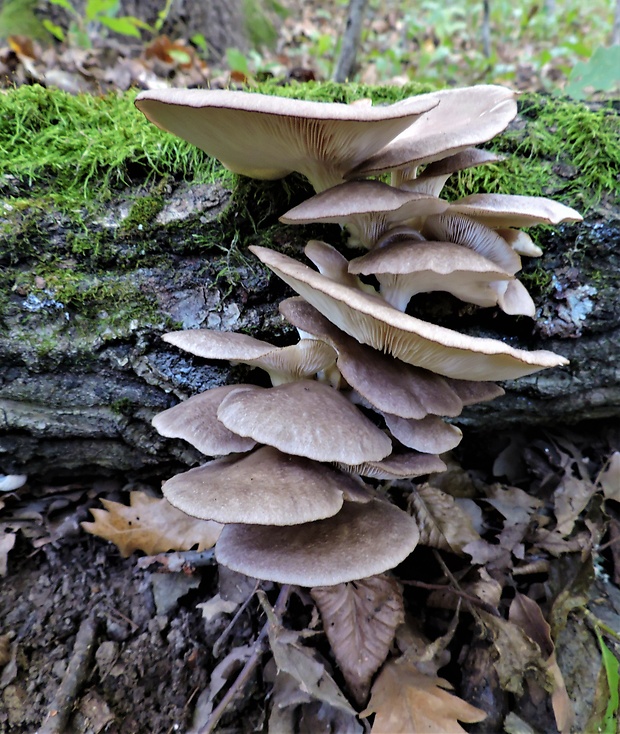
point(98, 13)
point(601, 73)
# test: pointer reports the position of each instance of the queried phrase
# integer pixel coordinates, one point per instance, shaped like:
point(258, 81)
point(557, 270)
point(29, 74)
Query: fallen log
point(104, 248)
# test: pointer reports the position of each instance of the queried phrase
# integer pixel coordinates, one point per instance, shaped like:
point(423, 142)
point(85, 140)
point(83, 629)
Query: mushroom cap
point(511, 210)
point(429, 435)
point(468, 232)
point(389, 385)
point(431, 181)
point(265, 487)
point(371, 321)
point(195, 421)
point(361, 540)
point(268, 137)
point(283, 364)
point(404, 268)
point(369, 208)
point(520, 242)
point(463, 117)
point(305, 418)
point(471, 392)
point(398, 466)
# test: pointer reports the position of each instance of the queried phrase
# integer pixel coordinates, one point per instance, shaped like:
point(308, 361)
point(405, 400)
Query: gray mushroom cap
point(283, 364)
point(361, 540)
point(398, 466)
point(265, 487)
point(371, 321)
point(305, 418)
point(195, 421)
point(268, 137)
point(389, 385)
point(511, 210)
point(463, 117)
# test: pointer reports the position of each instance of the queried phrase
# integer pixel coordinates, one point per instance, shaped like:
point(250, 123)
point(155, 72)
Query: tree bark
point(345, 68)
point(78, 388)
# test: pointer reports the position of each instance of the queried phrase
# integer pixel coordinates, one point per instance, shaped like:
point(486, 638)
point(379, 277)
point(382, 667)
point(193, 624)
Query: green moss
point(143, 212)
point(566, 151)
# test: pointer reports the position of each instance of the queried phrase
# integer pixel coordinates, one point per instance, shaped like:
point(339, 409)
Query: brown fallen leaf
point(302, 663)
point(528, 615)
point(406, 701)
point(360, 619)
point(443, 524)
point(151, 525)
point(609, 478)
point(516, 655)
point(7, 541)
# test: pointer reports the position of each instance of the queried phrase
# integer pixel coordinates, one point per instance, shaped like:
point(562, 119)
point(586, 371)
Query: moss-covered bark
point(112, 232)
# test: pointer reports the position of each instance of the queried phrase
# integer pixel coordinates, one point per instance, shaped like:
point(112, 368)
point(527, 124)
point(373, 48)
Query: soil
point(148, 666)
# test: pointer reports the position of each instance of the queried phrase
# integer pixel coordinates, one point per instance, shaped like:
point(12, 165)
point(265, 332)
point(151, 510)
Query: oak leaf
point(406, 701)
point(360, 619)
point(609, 478)
point(443, 524)
point(151, 525)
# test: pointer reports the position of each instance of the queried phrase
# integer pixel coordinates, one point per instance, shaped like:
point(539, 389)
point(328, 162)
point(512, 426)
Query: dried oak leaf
point(405, 701)
point(443, 524)
point(360, 619)
point(151, 525)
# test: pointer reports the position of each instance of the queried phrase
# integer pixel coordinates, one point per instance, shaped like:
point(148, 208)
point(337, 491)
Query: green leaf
point(612, 671)
point(64, 4)
point(199, 41)
point(601, 73)
point(96, 8)
point(180, 56)
point(125, 25)
point(237, 61)
point(54, 29)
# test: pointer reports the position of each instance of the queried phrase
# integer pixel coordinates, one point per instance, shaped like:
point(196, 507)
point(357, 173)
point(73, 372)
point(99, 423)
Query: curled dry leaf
point(302, 663)
point(7, 541)
point(528, 615)
point(516, 654)
point(405, 701)
point(609, 478)
point(360, 619)
point(151, 525)
point(443, 524)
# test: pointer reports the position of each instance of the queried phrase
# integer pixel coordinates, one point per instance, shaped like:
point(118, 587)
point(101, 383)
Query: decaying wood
point(77, 397)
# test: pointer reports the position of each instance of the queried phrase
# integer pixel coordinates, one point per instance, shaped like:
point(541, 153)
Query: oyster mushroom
point(265, 487)
point(268, 137)
point(372, 321)
point(361, 540)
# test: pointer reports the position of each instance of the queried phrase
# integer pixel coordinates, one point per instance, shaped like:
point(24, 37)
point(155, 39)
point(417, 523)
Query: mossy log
point(112, 233)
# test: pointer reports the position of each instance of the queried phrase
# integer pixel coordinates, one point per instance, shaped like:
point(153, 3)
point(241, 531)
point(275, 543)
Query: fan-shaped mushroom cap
point(468, 232)
point(268, 137)
point(195, 421)
point(508, 210)
point(389, 385)
point(361, 540)
point(405, 268)
point(520, 242)
point(368, 208)
point(430, 435)
point(431, 181)
point(398, 466)
point(265, 487)
point(333, 264)
point(463, 117)
point(475, 392)
point(305, 418)
point(283, 364)
point(371, 321)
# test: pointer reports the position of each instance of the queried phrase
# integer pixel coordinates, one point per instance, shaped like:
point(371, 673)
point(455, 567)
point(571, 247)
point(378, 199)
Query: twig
point(179, 561)
point(248, 668)
point(599, 625)
point(61, 707)
point(222, 638)
point(485, 606)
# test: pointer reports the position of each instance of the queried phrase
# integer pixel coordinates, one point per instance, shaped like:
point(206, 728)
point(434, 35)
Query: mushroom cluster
point(302, 470)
